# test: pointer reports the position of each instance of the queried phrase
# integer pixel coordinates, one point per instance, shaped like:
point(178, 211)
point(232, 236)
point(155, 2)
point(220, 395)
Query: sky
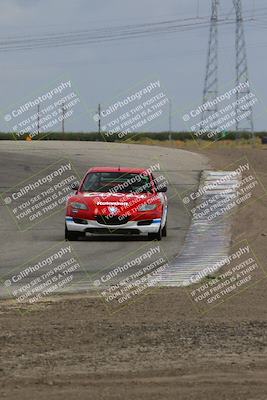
point(102, 71)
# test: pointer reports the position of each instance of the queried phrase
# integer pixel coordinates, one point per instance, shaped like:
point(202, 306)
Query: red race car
point(117, 201)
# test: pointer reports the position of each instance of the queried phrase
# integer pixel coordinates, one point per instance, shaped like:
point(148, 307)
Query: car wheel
point(157, 236)
point(71, 235)
point(164, 230)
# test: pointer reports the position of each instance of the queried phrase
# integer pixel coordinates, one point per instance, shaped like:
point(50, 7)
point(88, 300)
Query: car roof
point(117, 169)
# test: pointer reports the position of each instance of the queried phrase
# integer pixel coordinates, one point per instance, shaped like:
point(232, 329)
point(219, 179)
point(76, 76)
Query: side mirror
point(162, 189)
point(74, 186)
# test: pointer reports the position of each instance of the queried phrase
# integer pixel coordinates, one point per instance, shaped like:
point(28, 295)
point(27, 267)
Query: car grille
point(106, 220)
point(116, 231)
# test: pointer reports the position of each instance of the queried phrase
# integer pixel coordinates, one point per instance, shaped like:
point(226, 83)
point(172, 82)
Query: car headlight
point(147, 207)
point(79, 206)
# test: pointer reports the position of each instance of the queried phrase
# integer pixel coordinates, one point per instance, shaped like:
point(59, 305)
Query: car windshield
point(117, 182)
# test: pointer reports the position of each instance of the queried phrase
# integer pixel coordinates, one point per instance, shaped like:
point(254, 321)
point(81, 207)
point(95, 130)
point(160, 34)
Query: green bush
point(94, 136)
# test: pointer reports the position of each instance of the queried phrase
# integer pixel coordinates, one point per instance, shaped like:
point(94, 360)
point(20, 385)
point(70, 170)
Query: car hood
point(106, 199)
point(112, 203)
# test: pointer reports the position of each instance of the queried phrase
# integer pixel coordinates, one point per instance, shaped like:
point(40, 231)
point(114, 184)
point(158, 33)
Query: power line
point(118, 33)
point(100, 35)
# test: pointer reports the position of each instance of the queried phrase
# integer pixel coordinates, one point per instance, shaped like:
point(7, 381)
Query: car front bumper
point(130, 227)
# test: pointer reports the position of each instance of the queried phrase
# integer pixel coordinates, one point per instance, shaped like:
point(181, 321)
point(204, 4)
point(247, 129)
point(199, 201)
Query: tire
point(164, 230)
point(156, 236)
point(71, 235)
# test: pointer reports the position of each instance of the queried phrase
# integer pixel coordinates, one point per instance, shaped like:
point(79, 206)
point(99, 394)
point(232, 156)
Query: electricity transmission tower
point(241, 72)
point(210, 91)
point(211, 77)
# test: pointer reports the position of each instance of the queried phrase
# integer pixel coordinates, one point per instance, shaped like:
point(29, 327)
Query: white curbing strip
point(207, 241)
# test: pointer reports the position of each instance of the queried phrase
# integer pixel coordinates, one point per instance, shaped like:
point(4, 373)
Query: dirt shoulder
point(156, 348)
point(250, 221)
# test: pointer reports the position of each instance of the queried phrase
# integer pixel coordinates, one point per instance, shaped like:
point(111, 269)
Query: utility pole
point(170, 120)
point(197, 8)
point(63, 117)
point(99, 119)
point(38, 119)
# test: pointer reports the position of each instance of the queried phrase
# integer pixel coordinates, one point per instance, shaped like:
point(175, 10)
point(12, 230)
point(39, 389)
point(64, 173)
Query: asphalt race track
point(21, 160)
